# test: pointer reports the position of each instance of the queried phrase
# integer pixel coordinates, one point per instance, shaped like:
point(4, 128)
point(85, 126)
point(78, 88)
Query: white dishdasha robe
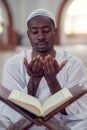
point(72, 74)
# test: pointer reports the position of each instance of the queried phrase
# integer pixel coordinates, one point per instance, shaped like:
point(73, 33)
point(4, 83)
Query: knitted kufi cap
point(41, 12)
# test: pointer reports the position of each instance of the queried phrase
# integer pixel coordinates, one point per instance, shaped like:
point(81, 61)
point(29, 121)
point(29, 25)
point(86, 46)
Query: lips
point(42, 44)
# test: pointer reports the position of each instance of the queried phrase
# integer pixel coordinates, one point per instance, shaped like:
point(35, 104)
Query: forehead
point(39, 21)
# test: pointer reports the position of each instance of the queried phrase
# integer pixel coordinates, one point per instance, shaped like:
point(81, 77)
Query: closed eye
point(34, 31)
point(46, 29)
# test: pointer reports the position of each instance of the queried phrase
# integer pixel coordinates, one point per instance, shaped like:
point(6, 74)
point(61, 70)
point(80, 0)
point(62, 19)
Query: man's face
point(42, 34)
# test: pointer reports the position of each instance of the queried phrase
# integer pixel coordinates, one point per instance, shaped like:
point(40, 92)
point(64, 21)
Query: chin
point(42, 51)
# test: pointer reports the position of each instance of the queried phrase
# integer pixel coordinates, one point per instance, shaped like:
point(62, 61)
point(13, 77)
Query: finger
point(62, 64)
point(56, 65)
point(37, 64)
point(53, 65)
point(40, 62)
point(49, 65)
point(27, 66)
point(45, 65)
point(31, 63)
point(25, 62)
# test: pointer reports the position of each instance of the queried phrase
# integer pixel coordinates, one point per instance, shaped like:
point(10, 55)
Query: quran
point(33, 105)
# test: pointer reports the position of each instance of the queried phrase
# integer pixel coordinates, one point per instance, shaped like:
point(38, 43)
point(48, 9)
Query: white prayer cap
point(41, 12)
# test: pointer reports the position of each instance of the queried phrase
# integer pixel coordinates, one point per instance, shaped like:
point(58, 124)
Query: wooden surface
point(4, 93)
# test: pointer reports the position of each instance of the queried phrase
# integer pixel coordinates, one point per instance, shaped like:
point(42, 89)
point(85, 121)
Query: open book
point(33, 105)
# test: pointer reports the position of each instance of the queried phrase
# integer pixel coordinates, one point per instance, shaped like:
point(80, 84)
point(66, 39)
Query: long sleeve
point(13, 78)
point(73, 74)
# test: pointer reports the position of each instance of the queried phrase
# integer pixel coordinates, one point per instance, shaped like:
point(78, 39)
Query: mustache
point(41, 42)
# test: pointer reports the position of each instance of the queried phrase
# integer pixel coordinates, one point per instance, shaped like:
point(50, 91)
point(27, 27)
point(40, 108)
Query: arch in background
point(10, 18)
point(62, 37)
point(13, 38)
point(59, 17)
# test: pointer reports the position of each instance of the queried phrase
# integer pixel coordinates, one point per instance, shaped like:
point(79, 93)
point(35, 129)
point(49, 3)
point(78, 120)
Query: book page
point(56, 100)
point(26, 101)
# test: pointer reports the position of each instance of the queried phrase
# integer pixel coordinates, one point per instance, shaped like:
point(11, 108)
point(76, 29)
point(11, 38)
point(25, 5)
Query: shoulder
point(72, 59)
point(17, 59)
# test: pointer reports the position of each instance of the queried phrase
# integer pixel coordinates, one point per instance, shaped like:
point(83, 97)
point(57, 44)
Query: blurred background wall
point(70, 15)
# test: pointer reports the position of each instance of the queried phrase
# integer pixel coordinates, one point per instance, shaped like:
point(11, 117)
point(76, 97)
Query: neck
point(52, 53)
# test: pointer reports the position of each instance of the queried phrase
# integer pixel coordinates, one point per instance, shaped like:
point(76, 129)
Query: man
point(42, 71)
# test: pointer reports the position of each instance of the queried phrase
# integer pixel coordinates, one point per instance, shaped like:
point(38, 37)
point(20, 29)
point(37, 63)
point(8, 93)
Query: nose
point(41, 35)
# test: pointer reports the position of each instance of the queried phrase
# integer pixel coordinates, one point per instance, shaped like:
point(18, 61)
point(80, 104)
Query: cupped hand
point(51, 66)
point(35, 67)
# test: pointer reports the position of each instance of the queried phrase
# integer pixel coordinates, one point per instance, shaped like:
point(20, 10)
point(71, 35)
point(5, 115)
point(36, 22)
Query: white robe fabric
point(72, 74)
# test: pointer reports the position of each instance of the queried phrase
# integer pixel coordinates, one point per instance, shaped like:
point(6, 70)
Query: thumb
point(62, 64)
point(25, 62)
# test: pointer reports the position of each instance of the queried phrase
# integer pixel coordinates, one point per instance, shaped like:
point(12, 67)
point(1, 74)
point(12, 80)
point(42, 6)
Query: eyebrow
point(38, 27)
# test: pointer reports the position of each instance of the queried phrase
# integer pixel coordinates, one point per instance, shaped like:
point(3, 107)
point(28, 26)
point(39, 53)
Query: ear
point(28, 33)
point(56, 35)
point(56, 31)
